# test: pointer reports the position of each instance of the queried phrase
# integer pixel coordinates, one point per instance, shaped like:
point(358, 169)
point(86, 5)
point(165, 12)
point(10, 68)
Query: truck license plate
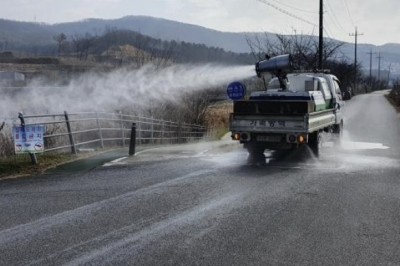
point(269, 138)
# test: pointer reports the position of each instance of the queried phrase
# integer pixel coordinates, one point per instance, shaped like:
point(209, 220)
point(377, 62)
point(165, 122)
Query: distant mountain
point(34, 33)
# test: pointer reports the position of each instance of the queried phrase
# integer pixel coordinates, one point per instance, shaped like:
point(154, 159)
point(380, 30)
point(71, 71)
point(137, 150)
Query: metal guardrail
point(100, 129)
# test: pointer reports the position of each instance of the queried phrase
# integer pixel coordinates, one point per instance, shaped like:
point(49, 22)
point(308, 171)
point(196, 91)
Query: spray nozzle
point(279, 65)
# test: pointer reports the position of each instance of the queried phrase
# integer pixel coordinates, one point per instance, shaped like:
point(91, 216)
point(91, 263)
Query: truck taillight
point(301, 138)
point(296, 138)
point(243, 136)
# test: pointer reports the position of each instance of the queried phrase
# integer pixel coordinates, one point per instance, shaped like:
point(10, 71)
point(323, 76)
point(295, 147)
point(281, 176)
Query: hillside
point(24, 33)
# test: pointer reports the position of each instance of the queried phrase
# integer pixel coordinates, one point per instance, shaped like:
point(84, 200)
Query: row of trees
point(89, 47)
point(101, 46)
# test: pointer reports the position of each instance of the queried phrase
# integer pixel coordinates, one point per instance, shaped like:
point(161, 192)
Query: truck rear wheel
point(315, 143)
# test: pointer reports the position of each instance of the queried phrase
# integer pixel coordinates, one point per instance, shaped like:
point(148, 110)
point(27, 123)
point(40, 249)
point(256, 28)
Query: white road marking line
point(117, 161)
point(114, 162)
point(202, 152)
point(140, 152)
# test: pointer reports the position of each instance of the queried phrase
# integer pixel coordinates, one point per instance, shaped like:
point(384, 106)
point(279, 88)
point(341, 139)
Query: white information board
point(28, 139)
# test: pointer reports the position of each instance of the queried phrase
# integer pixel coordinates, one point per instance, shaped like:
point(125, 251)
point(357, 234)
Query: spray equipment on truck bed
point(279, 66)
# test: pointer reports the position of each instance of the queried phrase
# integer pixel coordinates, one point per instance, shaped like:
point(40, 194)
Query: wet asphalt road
point(205, 205)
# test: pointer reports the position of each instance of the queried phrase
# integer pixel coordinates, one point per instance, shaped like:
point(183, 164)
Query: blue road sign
point(236, 91)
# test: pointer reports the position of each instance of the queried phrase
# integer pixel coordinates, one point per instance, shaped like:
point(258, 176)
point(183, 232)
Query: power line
point(287, 12)
point(334, 23)
point(335, 19)
point(328, 31)
point(348, 11)
point(295, 8)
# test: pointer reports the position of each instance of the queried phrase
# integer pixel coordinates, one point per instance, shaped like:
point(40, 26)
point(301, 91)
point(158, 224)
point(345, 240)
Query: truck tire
point(315, 143)
point(338, 133)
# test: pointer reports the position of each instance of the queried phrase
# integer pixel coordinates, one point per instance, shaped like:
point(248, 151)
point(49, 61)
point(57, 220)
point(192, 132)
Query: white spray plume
point(94, 91)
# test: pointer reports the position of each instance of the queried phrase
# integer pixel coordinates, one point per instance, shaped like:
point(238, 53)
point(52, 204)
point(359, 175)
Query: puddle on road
point(351, 156)
point(353, 145)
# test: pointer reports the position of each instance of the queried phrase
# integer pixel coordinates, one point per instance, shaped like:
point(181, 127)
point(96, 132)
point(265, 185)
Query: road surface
point(205, 204)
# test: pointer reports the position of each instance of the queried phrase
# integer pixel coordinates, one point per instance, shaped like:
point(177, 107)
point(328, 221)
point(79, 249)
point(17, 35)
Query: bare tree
point(303, 48)
point(77, 42)
point(87, 44)
point(60, 39)
point(82, 45)
point(110, 35)
point(305, 52)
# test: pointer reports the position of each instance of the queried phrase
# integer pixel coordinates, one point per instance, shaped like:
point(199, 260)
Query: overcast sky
point(378, 20)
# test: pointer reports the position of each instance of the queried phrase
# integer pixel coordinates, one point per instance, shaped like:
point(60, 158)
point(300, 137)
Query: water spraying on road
point(94, 91)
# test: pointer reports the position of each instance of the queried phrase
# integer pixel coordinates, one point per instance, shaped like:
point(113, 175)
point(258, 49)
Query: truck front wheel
point(338, 133)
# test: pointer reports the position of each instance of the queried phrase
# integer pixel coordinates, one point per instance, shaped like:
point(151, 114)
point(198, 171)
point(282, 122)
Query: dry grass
point(217, 118)
point(6, 141)
point(21, 67)
point(394, 99)
point(20, 165)
point(395, 96)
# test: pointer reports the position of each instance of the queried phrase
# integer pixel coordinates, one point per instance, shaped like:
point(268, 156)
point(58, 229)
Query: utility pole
point(390, 67)
point(321, 33)
point(379, 66)
point(356, 34)
point(370, 68)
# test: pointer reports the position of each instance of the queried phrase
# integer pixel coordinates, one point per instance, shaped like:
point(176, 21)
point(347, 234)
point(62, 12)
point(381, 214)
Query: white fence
point(100, 130)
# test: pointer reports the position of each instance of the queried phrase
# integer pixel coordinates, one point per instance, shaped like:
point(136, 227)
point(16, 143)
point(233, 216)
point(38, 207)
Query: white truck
point(303, 108)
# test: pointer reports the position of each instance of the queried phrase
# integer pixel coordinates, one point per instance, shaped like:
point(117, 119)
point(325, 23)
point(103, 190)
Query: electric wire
point(286, 12)
point(333, 22)
point(328, 31)
point(335, 19)
point(295, 8)
point(348, 11)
